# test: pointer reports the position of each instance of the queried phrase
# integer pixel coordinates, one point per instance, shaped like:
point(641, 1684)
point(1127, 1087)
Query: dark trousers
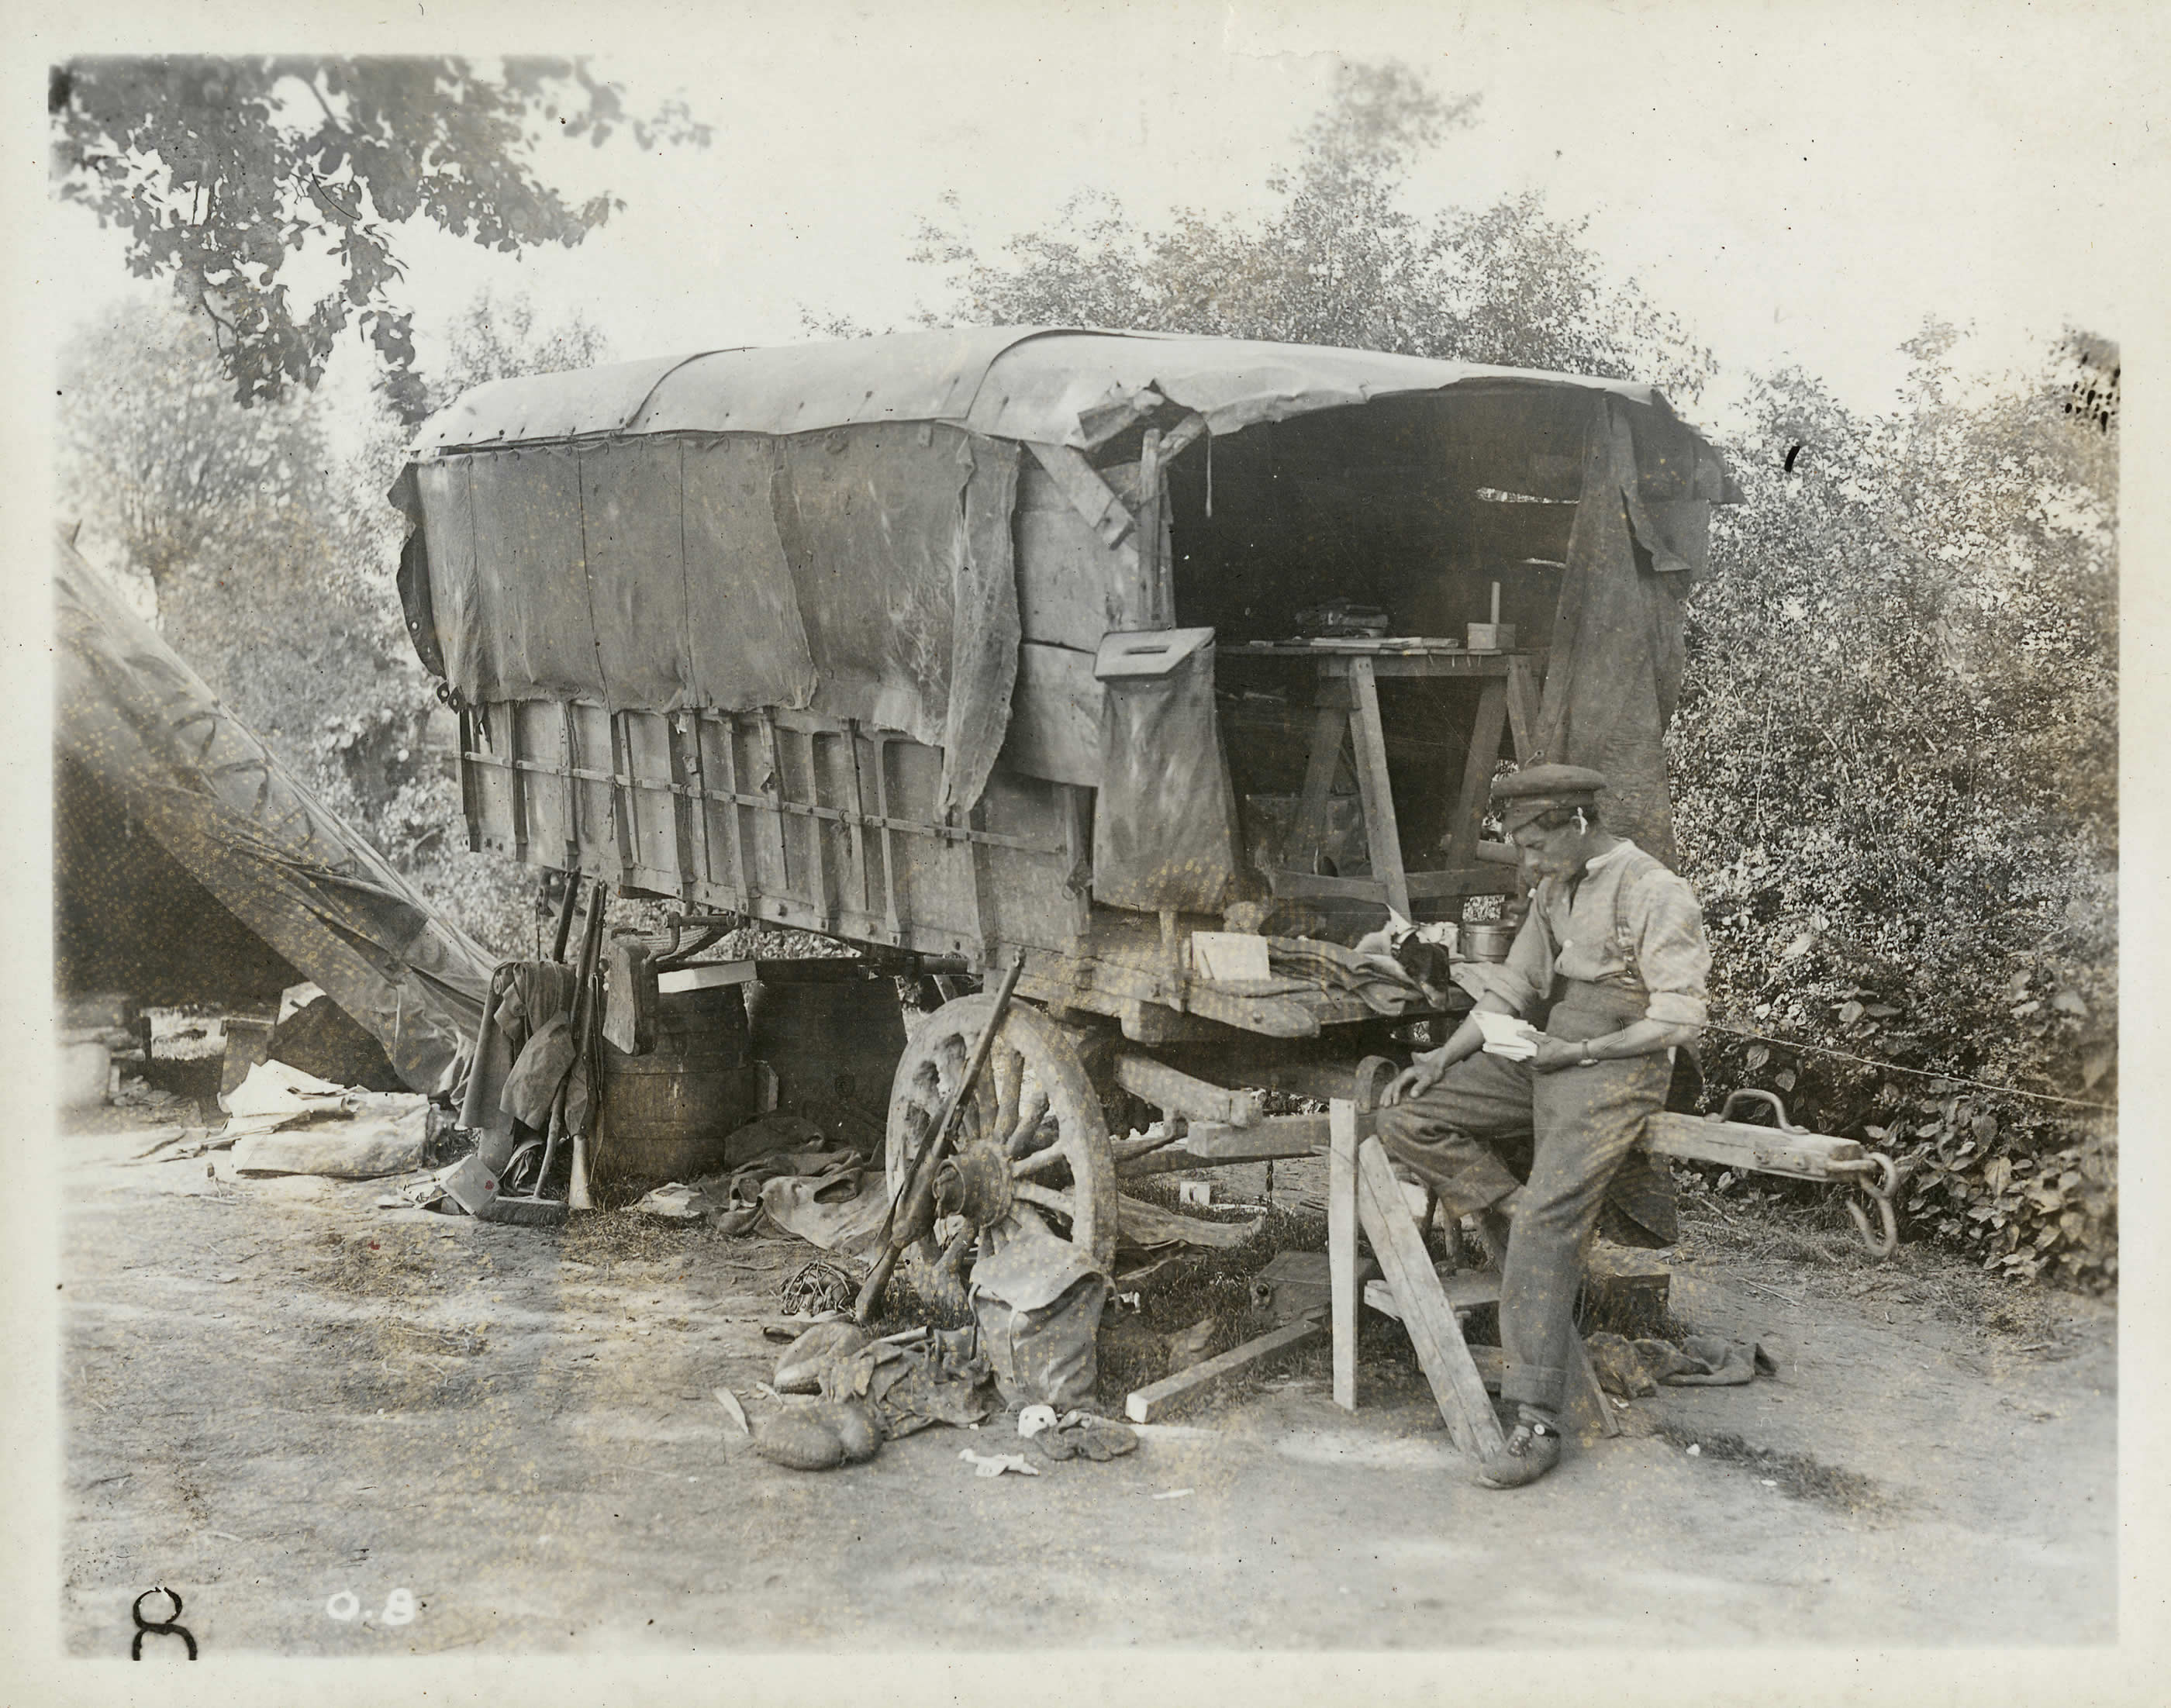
point(1579, 1124)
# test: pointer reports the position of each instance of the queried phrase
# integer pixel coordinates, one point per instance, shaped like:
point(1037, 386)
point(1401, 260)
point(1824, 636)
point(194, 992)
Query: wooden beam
point(1182, 1093)
point(1382, 837)
point(1328, 726)
point(1342, 1246)
point(1145, 1404)
point(1090, 496)
point(1153, 571)
point(1485, 732)
point(1456, 1385)
point(1523, 708)
point(1806, 1156)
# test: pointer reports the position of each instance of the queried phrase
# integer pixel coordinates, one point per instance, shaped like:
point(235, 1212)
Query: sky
point(1803, 185)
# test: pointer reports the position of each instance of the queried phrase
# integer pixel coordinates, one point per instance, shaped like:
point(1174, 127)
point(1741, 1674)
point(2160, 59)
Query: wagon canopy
point(831, 526)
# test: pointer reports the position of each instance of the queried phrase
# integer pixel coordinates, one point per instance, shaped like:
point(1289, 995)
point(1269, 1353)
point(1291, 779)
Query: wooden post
point(1382, 834)
point(1329, 725)
point(1342, 1246)
point(1456, 1385)
point(1152, 571)
point(1484, 753)
point(1523, 710)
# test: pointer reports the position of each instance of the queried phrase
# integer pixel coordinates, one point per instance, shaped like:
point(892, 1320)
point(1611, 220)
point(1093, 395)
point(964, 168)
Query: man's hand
point(1424, 1072)
point(1553, 1055)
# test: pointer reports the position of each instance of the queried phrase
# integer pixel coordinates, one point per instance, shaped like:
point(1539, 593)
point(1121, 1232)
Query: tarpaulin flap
point(1165, 823)
point(144, 732)
point(1614, 672)
point(742, 626)
point(865, 572)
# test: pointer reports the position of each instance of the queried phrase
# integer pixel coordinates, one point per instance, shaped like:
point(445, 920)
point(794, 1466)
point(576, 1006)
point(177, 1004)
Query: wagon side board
point(813, 823)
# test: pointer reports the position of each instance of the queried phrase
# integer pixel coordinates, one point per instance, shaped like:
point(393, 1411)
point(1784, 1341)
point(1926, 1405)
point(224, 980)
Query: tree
point(221, 172)
point(156, 459)
point(1338, 259)
point(1895, 763)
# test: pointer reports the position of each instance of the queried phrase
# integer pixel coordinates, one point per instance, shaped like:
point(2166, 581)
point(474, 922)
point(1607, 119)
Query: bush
point(1895, 773)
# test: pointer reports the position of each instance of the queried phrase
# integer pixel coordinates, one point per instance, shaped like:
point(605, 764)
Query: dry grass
point(1797, 1476)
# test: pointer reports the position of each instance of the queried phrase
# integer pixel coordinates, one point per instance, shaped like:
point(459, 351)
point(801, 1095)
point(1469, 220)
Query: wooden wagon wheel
point(1032, 1138)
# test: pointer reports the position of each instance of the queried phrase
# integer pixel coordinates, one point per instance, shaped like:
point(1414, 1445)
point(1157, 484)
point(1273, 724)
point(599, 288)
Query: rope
point(1920, 1073)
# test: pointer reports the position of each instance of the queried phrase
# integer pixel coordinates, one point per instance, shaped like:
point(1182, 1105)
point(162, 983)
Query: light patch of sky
point(1802, 189)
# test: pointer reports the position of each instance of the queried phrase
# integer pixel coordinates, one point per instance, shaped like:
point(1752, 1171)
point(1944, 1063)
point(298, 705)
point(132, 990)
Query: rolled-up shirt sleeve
point(1523, 980)
point(1673, 954)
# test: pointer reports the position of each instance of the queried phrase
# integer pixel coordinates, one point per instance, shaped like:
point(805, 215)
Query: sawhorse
point(1362, 1192)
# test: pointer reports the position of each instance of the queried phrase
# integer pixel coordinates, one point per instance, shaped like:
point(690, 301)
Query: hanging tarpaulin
point(863, 572)
point(145, 744)
point(1615, 672)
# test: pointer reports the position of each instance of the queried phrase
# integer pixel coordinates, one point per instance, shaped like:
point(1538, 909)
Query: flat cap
point(1524, 796)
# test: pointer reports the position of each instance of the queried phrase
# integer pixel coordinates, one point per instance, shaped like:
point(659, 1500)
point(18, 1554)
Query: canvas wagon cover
point(141, 732)
point(829, 525)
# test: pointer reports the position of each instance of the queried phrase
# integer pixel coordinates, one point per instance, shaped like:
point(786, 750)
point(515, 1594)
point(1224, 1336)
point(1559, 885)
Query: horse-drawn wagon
point(1144, 662)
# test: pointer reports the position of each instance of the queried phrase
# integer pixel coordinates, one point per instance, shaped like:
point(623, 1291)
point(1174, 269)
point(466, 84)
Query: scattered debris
point(730, 1402)
point(675, 1203)
point(818, 1286)
point(1087, 1435)
point(1172, 1494)
point(993, 1465)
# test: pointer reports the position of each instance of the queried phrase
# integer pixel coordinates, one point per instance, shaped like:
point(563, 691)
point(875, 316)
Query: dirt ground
point(293, 1405)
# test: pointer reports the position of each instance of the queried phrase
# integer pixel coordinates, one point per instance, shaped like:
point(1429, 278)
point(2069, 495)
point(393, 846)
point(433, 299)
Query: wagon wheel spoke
point(1039, 1163)
point(1047, 1196)
point(1029, 1122)
point(1006, 1073)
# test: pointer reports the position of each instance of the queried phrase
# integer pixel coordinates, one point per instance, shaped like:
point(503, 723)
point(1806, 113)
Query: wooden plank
point(1484, 876)
point(768, 822)
point(817, 831)
point(1091, 496)
point(1736, 1145)
point(1381, 835)
point(1055, 716)
point(1144, 1404)
point(1329, 725)
point(1150, 610)
point(1271, 1138)
point(1523, 708)
point(1456, 1386)
point(1485, 732)
point(1342, 1246)
point(741, 878)
point(859, 818)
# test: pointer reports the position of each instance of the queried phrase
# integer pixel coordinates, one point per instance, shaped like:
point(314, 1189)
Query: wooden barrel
point(667, 1114)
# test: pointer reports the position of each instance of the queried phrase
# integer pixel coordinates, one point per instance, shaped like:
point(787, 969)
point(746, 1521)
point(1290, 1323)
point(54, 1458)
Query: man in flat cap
point(1610, 963)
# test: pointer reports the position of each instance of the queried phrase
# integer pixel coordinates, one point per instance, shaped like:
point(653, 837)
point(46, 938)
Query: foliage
point(222, 173)
point(1895, 756)
point(271, 554)
point(1896, 770)
point(1337, 258)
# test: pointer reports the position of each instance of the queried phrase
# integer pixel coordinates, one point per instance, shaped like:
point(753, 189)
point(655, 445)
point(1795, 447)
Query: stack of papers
point(1506, 1036)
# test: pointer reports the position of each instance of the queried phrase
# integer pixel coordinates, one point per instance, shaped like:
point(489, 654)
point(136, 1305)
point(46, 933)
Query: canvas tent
point(191, 865)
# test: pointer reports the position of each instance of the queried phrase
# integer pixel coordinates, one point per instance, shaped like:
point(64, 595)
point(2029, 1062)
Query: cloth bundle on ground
point(284, 1122)
point(902, 1389)
point(1633, 1369)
